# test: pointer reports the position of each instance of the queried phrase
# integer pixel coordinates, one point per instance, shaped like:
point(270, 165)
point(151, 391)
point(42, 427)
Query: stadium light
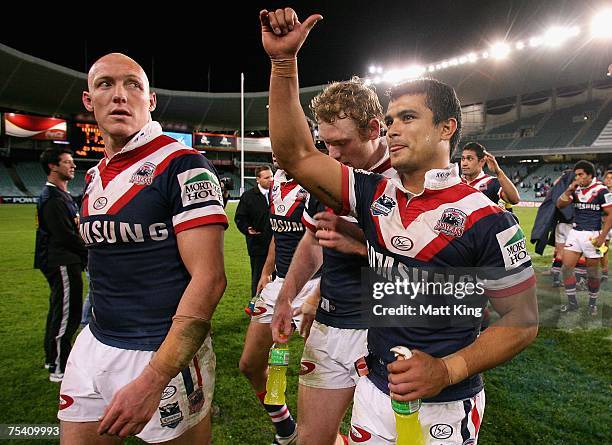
point(472, 57)
point(372, 69)
point(601, 25)
point(431, 68)
point(445, 64)
point(520, 45)
point(534, 42)
point(485, 55)
point(558, 35)
point(500, 50)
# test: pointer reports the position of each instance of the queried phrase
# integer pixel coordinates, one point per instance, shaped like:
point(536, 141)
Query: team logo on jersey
point(168, 392)
point(382, 206)
point(301, 195)
point(306, 367)
point(513, 247)
point(100, 203)
point(65, 401)
point(441, 431)
point(402, 243)
point(359, 435)
point(451, 223)
point(280, 208)
point(144, 174)
point(199, 185)
point(170, 415)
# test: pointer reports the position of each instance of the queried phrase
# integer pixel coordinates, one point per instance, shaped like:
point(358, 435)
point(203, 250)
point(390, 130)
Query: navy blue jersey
point(340, 304)
point(134, 206)
point(287, 203)
point(449, 224)
point(58, 242)
point(588, 205)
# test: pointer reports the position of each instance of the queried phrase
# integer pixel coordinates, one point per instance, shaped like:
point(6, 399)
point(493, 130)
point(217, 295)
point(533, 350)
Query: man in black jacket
point(60, 255)
point(253, 220)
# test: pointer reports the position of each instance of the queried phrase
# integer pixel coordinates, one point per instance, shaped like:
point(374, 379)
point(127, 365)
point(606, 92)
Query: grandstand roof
point(34, 85)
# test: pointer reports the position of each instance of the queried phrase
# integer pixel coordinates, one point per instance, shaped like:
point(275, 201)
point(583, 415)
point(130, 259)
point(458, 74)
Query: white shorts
point(580, 241)
point(561, 232)
point(452, 423)
point(329, 356)
point(264, 305)
point(95, 371)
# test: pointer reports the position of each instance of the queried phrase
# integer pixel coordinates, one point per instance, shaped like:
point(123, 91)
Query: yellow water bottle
point(278, 361)
point(407, 421)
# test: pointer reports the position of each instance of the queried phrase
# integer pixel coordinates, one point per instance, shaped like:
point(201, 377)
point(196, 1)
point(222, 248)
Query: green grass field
point(558, 391)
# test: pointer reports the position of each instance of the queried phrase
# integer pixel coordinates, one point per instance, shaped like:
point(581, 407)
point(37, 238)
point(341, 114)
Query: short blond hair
point(347, 99)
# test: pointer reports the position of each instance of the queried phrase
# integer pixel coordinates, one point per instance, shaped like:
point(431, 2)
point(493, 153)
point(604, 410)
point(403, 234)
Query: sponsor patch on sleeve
point(513, 246)
point(199, 185)
point(608, 198)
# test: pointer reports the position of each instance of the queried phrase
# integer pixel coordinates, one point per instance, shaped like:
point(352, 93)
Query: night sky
point(207, 49)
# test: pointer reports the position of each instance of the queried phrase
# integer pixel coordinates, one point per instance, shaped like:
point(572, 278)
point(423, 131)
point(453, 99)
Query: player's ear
point(86, 98)
point(373, 129)
point(448, 127)
point(152, 101)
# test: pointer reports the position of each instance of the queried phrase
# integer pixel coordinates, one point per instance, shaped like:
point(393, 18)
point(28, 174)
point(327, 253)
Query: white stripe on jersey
point(510, 280)
point(188, 215)
point(120, 184)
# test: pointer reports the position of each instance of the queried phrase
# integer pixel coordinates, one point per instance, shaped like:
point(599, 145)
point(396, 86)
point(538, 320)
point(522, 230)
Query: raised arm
point(283, 35)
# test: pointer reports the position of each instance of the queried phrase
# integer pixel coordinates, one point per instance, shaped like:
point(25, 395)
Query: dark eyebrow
point(402, 113)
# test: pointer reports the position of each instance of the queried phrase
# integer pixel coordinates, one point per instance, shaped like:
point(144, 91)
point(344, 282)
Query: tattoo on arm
point(337, 203)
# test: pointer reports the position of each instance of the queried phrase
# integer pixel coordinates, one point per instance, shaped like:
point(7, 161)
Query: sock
point(280, 416)
point(581, 269)
point(570, 290)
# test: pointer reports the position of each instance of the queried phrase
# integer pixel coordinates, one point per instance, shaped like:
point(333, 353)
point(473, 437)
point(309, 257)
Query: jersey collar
point(149, 132)
point(442, 178)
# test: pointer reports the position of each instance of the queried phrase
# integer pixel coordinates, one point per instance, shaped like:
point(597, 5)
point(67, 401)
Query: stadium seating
point(7, 187)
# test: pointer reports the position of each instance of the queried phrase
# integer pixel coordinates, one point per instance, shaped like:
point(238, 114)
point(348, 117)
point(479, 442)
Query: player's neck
point(471, 177)
point(61, 184)
point(113, 145)
point(379, 152)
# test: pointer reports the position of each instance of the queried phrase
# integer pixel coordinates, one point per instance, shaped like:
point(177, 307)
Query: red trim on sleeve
point(308, 225)
point(513, 290)
point(202, 221)
point(346, 203)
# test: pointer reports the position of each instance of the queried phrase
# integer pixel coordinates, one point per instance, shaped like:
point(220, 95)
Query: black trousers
point(65, 306)
point(257, 264)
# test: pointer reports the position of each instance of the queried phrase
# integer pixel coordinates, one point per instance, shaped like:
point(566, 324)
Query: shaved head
point(114, 59)
point(118, 94)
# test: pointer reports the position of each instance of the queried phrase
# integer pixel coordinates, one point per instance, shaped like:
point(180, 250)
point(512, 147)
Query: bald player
point(144, 366)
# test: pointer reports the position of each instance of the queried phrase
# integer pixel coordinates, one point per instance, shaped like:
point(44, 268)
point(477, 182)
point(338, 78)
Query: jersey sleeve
point(605, 198)
point(502, 257)
point(358, 190)
point(195, 193)
point(312, 207)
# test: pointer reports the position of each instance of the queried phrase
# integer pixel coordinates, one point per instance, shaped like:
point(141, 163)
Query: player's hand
point(421, 376)
point(252, 231)
point(335, 233)
point(491, 162)
point(281, 321)
point(282, 33)
point(599, 241)
point(133, 405)
point(309, 312)
point(264, 280)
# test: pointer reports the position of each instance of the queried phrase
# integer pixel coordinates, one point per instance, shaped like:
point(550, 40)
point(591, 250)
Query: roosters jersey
point(287, 203)
point(449, 224)
point(489, 185)
point(588, 205)
point(340, 304)
point(134, 206)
